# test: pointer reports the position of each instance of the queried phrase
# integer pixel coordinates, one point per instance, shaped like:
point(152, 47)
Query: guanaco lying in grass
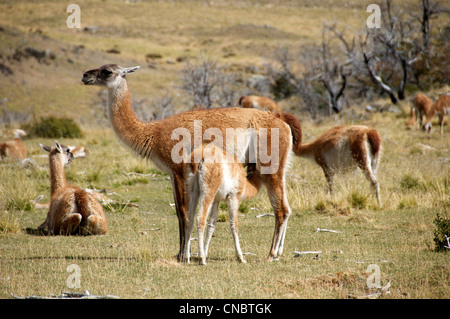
point(72, 210)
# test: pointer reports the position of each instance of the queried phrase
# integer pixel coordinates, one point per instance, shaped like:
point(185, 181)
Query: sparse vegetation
point(410, 182)
point(9, 223)
point(358, 200)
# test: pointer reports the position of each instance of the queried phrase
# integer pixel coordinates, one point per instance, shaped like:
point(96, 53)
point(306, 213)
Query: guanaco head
point(61, 152)
point(426, 127)
point(18, 133)
point(108, 75)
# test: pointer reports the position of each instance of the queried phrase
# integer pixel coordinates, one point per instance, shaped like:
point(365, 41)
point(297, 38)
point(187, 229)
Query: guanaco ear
point(129, 70)
point(58, 147)
point(46, 148)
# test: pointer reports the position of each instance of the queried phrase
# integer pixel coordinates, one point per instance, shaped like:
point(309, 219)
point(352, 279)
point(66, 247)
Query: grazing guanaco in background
point(441, 107)
point(259, 102)
point(412, 121)
point(72, 210)
point(345, 148)
point(212, 180)
point(421, 106)
point(154, 141)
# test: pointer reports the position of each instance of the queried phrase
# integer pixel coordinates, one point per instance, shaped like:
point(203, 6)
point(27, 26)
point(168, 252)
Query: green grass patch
point(409, 182)
point(441, 233)
point(53, 127)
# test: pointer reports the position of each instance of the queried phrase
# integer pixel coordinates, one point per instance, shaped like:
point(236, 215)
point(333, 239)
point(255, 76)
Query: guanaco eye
point(106, 72)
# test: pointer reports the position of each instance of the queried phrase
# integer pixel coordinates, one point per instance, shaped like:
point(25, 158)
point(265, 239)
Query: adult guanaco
point(421, 106)
point(345, 148)
point(158, 141)
point(441, 107)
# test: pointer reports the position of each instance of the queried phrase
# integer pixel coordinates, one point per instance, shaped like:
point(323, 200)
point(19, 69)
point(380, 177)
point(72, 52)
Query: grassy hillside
point(238, 34)
point(136, 259)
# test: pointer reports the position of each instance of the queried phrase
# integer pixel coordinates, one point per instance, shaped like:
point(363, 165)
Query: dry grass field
point(136, 259)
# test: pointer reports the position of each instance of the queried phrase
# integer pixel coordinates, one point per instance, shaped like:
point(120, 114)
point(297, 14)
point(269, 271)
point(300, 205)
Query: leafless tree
point(226, 90)
point(200, 80)
point(309, 71)
point(423, 14)
point(333, 71)
point(287, 78)
point(398, 43)
point(208, 84)
point(159, 108)
point(359, 62)
point(282, 74)
point(430, 10)
point(385, 55)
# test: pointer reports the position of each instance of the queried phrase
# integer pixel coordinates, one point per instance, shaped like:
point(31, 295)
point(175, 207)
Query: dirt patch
point(333, 209)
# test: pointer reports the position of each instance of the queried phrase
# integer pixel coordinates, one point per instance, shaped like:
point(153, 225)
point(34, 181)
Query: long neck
point(121, 114)
point(252, 186)
point(127, 126)
point(57, 175)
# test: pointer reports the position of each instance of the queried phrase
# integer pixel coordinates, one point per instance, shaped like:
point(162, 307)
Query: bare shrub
point(161, 107)
point(207, 84)
point(362, 63)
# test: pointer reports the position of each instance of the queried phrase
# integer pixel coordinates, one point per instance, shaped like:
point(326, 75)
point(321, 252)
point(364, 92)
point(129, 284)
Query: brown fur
point(344, 148)
point(441, 107)
point(421, 106)
point(412, 119)
point(213, 182)
point(296, 129)
point(79, 151)
point(13, 149)
point(72, 210)
point(100, 197)
point(154, 141)
point(260, 102)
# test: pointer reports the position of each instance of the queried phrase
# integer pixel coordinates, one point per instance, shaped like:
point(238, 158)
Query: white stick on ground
point(300, 253)
point(327, 230)
point(262, 215)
